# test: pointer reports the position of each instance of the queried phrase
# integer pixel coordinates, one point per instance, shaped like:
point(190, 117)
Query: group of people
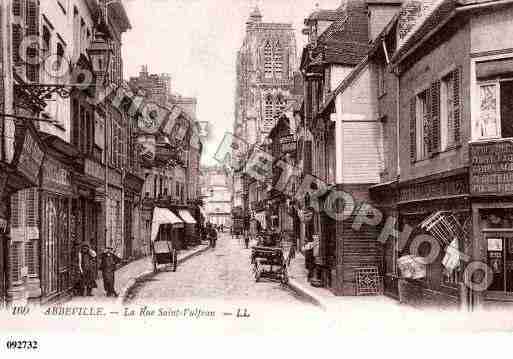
point(87, 258)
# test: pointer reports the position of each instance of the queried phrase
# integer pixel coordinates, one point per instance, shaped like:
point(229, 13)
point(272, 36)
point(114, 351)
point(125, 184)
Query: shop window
point(500, 260)
point(495, 110)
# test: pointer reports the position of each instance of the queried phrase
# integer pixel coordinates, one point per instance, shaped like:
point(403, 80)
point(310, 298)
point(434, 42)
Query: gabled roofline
point(460, 6)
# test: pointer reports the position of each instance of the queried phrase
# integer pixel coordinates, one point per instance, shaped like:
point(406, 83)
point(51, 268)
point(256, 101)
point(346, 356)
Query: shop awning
point(163, 216)
point(186, 216)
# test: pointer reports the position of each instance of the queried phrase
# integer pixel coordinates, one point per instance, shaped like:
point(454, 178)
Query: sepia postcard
point(256, 177)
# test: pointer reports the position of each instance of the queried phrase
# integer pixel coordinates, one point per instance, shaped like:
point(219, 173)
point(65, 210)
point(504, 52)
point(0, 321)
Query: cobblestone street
point(222, 273)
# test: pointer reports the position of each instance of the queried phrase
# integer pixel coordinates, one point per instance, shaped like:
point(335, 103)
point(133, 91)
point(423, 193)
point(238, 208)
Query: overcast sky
point(196, 42)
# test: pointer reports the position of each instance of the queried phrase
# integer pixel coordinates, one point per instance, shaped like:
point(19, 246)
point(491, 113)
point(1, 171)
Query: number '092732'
point(22, 345)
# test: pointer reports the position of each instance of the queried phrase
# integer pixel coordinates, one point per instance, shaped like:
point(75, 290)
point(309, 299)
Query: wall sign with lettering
point(491, 170)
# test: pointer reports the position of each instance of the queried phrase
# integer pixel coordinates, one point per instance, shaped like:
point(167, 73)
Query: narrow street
point(222, 273)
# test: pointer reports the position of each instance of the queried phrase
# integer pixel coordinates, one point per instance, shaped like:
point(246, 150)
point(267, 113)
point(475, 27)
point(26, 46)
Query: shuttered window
point(17, 36)
point(32, 23)
point(421, 115)
point(17, 6)
point(435, 118)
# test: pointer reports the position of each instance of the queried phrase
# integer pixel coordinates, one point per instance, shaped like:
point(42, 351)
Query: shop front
point(439, 208)
point(133, 188)
point(491, 187)
point(191, 235)
point(21, 189)
point(55, 221)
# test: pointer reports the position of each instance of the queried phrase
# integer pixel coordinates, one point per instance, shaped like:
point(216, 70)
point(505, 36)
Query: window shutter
point(16, 43)
point(16, 7)
point(75, 122)
point(435, 117)
point(32, 23)
point(457, 105)
point(427, 123)
point(413, 129)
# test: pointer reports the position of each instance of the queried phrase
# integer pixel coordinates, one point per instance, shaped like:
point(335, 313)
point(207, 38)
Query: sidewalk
point(324, 298)
point(127, 275)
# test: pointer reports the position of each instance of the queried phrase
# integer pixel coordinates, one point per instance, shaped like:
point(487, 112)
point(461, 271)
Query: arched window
point(268, 60)
point(280, 106)
point(278, 60)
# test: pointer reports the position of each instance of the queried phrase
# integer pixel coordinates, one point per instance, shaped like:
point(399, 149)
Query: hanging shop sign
point(30, 156)
point(288, 144)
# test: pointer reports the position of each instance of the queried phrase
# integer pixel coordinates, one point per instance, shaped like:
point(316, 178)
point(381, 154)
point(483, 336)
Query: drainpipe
point(339, 174)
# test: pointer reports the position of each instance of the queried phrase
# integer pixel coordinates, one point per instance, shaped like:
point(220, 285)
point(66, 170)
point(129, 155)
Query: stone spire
point(256, 15)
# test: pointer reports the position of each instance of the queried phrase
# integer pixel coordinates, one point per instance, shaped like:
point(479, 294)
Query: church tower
point(266, 63)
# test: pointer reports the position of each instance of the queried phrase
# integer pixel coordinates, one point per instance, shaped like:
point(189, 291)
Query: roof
point(323, 15)
point(346, 40)
point(439, 14)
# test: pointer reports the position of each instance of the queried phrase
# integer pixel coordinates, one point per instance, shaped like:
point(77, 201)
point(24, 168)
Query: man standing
point(86, 267)
point(108, 262)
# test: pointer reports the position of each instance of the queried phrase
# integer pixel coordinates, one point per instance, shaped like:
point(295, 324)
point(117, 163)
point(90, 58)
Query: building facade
point(266, 63)
point(68, 183)
point(216, 192)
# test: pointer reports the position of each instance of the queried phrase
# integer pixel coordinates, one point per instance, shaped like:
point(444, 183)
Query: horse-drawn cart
point(166, 229)
point(268, 259)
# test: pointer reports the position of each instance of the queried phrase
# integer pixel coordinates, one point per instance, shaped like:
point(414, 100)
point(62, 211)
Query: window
point(422, 125)
point(447, 107)
point(268, 61)
point(280, 106)
point(435, 118)
point(278, 61)
point(500, 260)
point(495, 108)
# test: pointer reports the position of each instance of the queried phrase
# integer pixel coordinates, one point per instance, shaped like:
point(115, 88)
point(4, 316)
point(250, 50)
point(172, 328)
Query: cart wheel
point(175, 260)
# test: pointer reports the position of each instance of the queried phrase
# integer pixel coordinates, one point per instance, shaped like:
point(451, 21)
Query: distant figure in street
point(213, 237)
point(222, 228)
point(246, 239)
point(108, 262)
point(86, 257)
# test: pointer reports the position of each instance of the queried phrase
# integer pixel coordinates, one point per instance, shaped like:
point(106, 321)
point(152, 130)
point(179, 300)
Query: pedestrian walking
point(86, 265)
point(246, 239)
point(213, 237)
point(108, 263)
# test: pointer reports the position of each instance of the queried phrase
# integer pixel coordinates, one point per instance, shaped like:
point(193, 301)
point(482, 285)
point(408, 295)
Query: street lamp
point(100, 54)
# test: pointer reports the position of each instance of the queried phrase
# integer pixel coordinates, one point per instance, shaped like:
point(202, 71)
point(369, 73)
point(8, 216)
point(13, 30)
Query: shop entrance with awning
point(191, 233)
point(167, 227)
